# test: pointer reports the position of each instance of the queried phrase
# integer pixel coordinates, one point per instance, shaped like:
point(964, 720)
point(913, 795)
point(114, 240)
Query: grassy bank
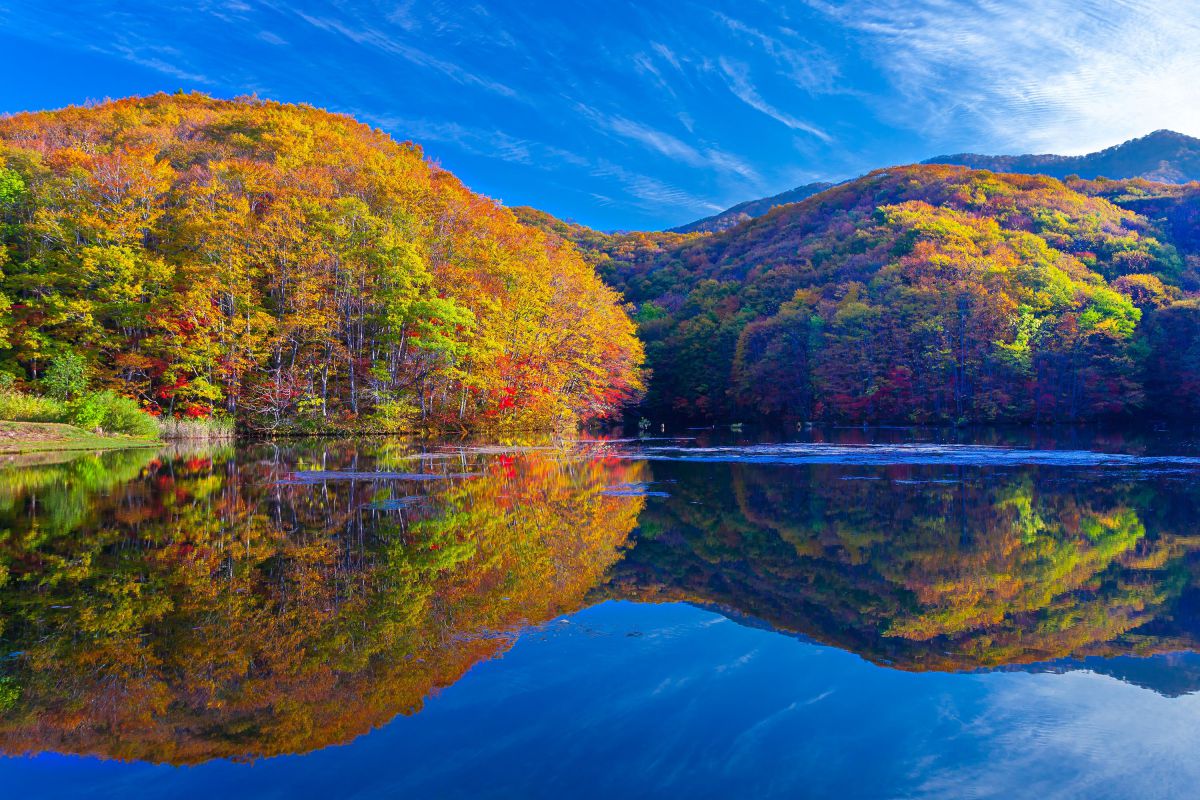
point(34, 437)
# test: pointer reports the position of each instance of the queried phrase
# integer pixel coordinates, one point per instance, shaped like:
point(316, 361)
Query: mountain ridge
point(749, 209)
point(1163, 156)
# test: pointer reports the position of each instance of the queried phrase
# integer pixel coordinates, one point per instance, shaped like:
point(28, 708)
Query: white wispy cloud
point(652, 194)
point(1064, 76)
point(737, 77)
point(380, 39)
point(484, 142)
point(672, 147)
point(146, 57)
point(806, 65)
point(667, 54)
point(643, 191)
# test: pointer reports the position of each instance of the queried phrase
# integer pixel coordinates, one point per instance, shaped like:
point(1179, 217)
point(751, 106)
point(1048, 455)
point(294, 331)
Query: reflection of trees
point(207, 609)
point(985, 569)
point(187, 606)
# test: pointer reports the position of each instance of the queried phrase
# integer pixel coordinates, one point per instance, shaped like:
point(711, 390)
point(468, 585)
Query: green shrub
point(87, 412)
point(19, 407)
point(66, 377)
point(395, 415)
point(111, 413)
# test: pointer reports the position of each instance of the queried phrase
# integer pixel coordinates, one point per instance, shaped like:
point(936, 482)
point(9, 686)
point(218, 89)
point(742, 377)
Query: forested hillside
point(1160, 159)
point(921, 293)
point(297, 270)
point(293, 268)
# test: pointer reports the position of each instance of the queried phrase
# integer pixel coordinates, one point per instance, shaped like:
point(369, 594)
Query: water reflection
point(929, 568)
point(181, 609)
point(184, 606)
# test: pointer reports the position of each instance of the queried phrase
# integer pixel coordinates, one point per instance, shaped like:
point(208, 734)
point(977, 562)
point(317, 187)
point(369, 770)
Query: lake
point(850, 613)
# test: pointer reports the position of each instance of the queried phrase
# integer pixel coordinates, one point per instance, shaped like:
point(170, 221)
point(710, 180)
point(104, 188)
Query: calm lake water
point(861, 614)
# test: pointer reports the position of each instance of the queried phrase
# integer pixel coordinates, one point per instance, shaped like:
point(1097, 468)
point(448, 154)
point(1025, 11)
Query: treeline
point(921, 294)
point(293, 269)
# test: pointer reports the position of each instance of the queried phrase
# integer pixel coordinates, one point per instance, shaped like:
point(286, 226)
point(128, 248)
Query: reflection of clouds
point(740, 661)
point(815, 719)
point(1076, 735)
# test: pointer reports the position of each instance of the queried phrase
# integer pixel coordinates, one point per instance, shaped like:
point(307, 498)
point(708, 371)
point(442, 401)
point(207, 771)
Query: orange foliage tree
point(293, 268)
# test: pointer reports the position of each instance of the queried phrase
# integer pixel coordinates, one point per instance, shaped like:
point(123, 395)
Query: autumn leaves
point(295, 270)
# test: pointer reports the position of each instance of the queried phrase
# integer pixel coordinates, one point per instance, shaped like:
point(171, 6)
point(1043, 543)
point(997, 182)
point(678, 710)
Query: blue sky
point(646, 114)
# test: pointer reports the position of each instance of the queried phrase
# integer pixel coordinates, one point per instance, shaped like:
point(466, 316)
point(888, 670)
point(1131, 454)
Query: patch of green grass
point(31, 437)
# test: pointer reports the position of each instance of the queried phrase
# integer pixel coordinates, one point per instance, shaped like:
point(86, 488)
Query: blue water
point(639, 700)
point(756, 620)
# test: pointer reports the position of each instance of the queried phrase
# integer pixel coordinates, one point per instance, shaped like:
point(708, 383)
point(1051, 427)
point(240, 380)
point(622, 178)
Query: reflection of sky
point(628, 700)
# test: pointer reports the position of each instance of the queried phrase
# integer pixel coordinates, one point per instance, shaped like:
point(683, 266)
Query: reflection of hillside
point(194, 605)
point(926, 568)
point(226, 609)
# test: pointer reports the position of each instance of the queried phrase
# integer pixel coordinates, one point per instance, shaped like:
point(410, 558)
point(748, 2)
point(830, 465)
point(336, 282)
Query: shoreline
point(18, 438)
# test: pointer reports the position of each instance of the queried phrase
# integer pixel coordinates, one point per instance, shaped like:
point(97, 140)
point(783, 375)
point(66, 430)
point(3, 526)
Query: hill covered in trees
point(1162, 157)
point(292, 268)
point(297, 270)
point(922, 293)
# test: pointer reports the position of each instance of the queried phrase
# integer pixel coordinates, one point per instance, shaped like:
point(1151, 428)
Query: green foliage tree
point(66, 376)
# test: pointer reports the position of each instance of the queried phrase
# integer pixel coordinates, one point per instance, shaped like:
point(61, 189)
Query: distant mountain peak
point(1163, 155)
point(1165, 133)
point(750, 209)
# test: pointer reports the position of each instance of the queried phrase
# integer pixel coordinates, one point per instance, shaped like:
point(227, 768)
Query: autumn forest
point(293, 270)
